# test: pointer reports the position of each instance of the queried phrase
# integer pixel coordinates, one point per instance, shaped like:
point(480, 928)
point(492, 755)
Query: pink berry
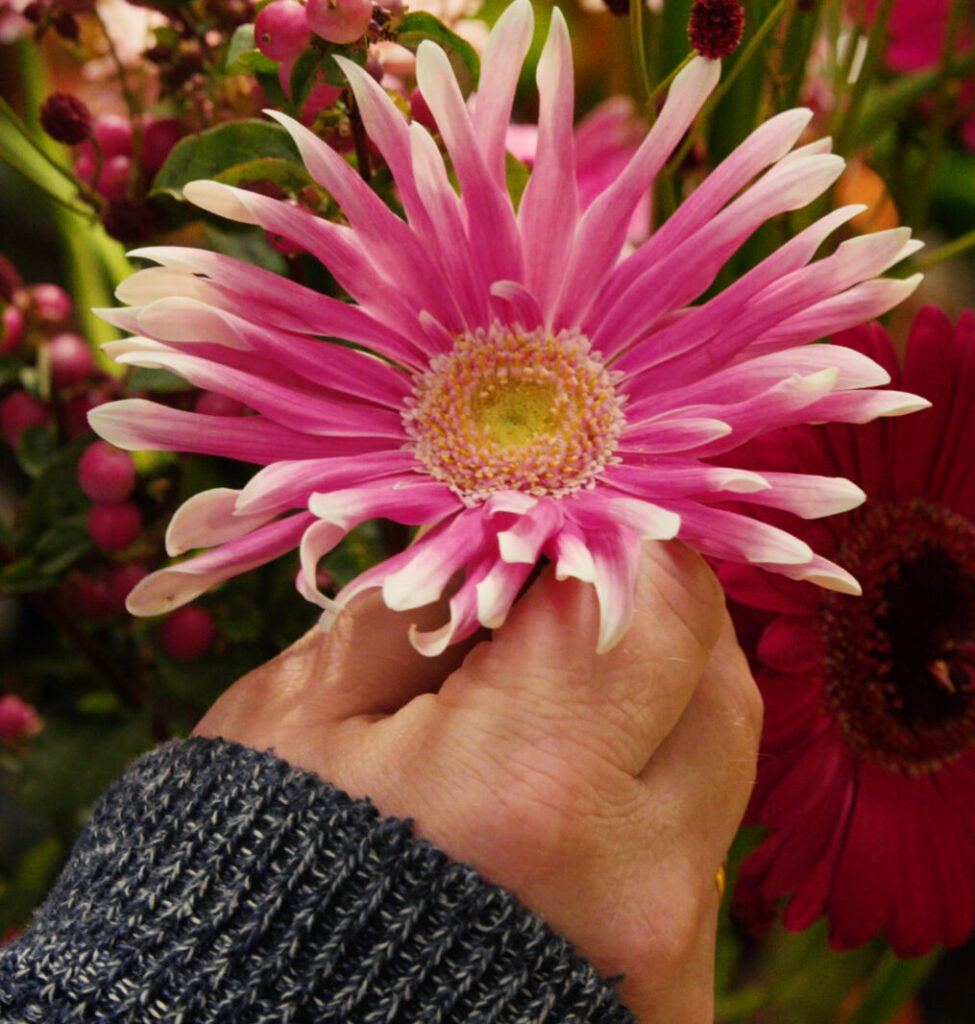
point(18, 719)
point(72, 360)
point(106, 473)
point(18, 412)
point(114, 135)
point(87, 597)
point(51, 304)
point(281, 30)
point(187, 634)
point(159, 138)
point(339, 21)
point(120, 581)
point(212, 404)
point(114, 180)
point(11, 329)
point(113, 525)
point(320, 97)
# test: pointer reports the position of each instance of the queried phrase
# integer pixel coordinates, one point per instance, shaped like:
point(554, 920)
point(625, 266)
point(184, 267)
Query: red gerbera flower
point(867, 779)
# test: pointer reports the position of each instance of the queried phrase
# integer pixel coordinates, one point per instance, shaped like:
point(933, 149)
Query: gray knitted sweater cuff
point(215, 883)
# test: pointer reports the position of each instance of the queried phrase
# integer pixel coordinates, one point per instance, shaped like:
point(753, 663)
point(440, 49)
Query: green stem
point(892, 984)
point(940, 115)
point(638, 42)
point(947, 251)
point(876, 39)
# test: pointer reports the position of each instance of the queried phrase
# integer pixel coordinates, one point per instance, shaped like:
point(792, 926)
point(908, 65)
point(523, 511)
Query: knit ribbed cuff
point(216, 883)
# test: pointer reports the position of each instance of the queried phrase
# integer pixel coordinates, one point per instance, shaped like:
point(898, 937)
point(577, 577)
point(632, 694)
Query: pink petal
point(289, 484)
point(169, 588)
point(673, 433)
point(810, 497)
point(504, 54)
point(307, 410)
point(550, 205)
point(602, 230)
point(139, 425)
point(741, 539)
point(616, 555)
point(490, 217)
point(208, 519)
point(523, 541)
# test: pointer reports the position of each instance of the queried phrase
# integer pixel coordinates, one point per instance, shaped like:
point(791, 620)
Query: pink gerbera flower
point(514, 382)
point(867, 774)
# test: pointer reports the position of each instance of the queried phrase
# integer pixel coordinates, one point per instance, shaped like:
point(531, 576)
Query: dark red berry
point(114, 525)
point(66, 25)
point(129, 220)
point(71, 358)
point(121, 579)
point(66, 118)
point(187, 633)
point(716, 27)
point(18, 412)
point(159, 138)
point(76, 409)
point(11, 329)
point(106, 473)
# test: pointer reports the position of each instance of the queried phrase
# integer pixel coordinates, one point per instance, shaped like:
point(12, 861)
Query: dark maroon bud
point(159, 54)
point(129, 220)
point(66, 118)
point(35, 12)
point(618, 7)
point(716, 27)
point(66, 25)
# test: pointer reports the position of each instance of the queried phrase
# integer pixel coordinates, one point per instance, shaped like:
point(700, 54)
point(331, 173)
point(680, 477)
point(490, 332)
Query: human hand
point(603, 790)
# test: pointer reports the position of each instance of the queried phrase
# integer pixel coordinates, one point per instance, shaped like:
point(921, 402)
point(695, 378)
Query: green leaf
point(243, 54)
point(35, 449)
point(55, 495)
point(10, 367)
point(303, 73)
point(148, 378)
point(219, 150)
point(62, 545)
point(463, 57)
point(25, 577)
point(892, 984)
point(33, 875)
point(516, 177)
point(243, 622)
point(287, 175)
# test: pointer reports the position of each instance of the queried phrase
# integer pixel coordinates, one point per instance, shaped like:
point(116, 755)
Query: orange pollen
point(513, 410)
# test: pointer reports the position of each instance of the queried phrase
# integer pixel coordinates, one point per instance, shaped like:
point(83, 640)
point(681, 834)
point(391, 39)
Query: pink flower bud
point(187, 634)
point(113, 525)
point(339, 21)
point(72, 360)
point(106, 473)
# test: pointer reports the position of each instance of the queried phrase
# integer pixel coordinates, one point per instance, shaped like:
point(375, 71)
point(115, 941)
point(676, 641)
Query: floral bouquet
point(301, 299)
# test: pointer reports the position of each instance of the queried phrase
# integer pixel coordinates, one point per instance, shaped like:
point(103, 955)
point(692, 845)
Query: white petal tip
point(838, 584)
point(433, 643)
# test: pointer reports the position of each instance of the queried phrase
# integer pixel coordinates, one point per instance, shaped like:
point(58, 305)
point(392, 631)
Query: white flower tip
point(433, 643)
point(740, 481)
point(908, 404)
point(223, 200)
point(515, 549)
point(113, 422)
point(164, 591)
point(840, 584)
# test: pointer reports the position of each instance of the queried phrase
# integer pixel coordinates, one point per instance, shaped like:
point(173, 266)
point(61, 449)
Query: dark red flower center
point(901, 659)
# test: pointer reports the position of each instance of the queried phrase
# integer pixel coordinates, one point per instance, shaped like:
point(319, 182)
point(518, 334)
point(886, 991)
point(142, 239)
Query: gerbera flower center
point(901, 663)
point(514, 410)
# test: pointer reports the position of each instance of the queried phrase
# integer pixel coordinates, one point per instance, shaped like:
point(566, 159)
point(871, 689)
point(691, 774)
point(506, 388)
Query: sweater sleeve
point(214, 883)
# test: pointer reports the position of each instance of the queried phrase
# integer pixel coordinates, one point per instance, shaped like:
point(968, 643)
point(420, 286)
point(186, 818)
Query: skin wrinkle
point(579, 782)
